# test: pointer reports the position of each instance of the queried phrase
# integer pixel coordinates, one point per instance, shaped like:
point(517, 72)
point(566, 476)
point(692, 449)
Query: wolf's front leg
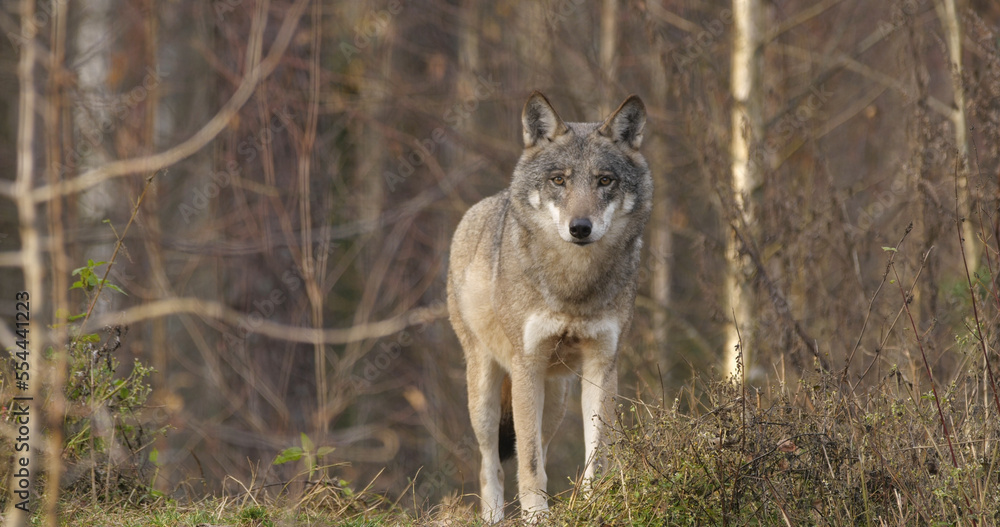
point(528, 397)
point(484, 378)
point(598, 389)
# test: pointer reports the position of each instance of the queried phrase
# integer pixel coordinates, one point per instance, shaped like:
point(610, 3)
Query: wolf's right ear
point(627, 123)
point(540, 121)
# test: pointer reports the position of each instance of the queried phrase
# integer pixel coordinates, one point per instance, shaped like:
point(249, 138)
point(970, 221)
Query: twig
point(899, 313)
point(778, 299)
point(743, 386)
point(972, 293)
point(114, 254)
point(197, 141)
point(888, 265)
point(927, 366)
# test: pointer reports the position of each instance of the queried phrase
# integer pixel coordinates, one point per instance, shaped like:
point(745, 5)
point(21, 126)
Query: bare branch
point(197, 141)
point(218, 311)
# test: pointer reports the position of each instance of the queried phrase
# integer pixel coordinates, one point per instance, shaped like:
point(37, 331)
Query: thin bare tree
point(948, 14)
point(747, 121)
point(608, 54)
point(33, 270)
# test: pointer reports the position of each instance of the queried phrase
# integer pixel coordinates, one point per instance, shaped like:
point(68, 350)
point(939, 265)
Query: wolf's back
point(478, 234)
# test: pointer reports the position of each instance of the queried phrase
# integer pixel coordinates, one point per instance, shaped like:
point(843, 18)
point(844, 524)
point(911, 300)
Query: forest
point(225, 231)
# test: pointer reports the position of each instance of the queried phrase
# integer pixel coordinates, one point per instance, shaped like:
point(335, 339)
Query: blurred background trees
point(359, 132)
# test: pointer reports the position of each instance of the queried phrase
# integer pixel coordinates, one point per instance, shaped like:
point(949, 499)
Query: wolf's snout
point(580, 228)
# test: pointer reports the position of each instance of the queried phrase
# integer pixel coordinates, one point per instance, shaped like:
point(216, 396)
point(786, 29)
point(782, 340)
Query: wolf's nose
point(580, 228)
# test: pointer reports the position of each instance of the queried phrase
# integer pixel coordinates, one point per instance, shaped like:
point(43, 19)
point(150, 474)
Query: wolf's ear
point(627, 123)
point(540, 121)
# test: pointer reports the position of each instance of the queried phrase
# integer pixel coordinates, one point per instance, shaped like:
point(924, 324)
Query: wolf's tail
point(507, 437)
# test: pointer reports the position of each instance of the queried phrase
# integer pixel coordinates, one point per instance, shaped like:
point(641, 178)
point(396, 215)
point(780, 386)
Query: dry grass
point(808, 453)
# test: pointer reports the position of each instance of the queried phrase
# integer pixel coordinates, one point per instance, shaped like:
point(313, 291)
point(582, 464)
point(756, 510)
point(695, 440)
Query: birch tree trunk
point(608, 52)
point(746, 178)
point(953, 30)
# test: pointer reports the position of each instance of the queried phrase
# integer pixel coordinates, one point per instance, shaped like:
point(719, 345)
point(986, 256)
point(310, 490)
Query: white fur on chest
point(543, 326)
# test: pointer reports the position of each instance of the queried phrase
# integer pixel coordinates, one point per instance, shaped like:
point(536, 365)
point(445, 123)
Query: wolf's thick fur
point(542, 283)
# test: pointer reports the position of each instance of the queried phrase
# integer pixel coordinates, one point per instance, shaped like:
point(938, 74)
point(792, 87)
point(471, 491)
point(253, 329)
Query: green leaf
point(307, 443)
point(324, 451)
point(116, 288)
point(289, 454)
point(154, 455)
point(889, 249)
point(345, 487)
point(71, 318)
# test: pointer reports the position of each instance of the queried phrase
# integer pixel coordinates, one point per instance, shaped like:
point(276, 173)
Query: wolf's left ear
point(540, 120)
point(627, 123)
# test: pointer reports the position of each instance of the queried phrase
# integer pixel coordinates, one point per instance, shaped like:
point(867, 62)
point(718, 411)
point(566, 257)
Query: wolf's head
point(583, 181)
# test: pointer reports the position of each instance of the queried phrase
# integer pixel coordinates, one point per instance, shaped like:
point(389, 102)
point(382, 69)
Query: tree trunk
point(608, 53)
point(660, 258)
point(31, 265)
point(746, 174)
point(949, 19)
point(54, 122)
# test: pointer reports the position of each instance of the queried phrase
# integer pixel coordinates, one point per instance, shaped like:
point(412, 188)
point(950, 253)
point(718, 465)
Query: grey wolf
point(541, 287)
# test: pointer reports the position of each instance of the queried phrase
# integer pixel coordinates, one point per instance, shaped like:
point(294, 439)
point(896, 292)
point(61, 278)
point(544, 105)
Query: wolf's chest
point(564, 341)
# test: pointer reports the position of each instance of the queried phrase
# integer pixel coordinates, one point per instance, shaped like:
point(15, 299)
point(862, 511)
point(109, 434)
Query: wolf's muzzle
point(580, 228)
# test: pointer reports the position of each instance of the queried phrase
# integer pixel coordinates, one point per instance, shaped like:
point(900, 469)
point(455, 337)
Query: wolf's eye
point(605, 181)
point(559, 180)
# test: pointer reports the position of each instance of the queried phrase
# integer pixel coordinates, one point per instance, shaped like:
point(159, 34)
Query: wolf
point(541, 287)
